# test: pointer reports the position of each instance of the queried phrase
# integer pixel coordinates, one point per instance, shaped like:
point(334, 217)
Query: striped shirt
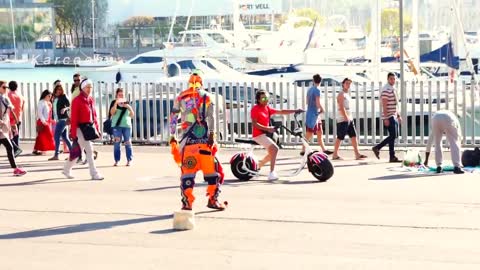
point(388, 94)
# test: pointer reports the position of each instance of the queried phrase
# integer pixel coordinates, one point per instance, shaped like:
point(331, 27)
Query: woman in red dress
point(44, 141)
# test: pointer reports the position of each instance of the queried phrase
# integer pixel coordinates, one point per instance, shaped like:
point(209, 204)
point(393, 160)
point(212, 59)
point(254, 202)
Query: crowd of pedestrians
point(72, 119)
point(62, 119)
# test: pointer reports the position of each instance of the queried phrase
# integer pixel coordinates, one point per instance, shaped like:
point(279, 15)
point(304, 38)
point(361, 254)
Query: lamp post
point(402, 77)
point(93, 27)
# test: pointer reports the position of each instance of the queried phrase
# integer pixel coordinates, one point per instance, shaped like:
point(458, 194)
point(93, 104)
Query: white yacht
point(98, 60)
point(16, 63)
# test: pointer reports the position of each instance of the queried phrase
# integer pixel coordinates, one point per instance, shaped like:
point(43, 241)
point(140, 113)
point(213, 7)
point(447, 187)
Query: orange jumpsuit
point(196, 111)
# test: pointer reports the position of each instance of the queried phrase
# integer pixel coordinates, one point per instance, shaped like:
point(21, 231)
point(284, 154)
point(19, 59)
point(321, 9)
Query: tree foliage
point(74, 18)
point(29, 26)
point(310, 14)
point(391, 23)
point(138, 21)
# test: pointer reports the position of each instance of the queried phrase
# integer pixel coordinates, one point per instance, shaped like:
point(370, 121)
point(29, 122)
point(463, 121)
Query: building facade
point(34, 20)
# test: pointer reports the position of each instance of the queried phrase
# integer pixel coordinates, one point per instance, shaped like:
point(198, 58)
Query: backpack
point(471, 158)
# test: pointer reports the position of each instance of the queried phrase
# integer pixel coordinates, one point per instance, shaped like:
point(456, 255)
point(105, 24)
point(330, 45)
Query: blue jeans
point(392, 135)
point(61, 131)
point(118, 134)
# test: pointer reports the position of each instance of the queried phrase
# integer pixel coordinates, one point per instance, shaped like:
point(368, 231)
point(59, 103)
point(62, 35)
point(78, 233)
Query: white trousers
point(88, 146)
point(445, 125)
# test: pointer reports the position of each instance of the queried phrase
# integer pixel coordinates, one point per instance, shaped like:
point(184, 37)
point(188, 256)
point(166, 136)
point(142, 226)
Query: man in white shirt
point(445, 122)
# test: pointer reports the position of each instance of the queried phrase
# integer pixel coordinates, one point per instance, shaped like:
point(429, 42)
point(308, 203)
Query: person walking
point(18, 102)
point(445, 122)
point(391, 118)
point(65, 147)
point(61, 106)
point(84, 128)
point(121, 113)
point(44, 141)
point(345, 124)
point(5, 128)
point(75, 89)
point(260, 115)
point(313, 121)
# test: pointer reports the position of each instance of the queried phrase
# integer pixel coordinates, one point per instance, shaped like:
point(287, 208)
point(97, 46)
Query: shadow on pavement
point(404, 176)
point(59, 169)
point(84, 227)
point(42, 182)
point(228, 182)
point(304, 182)
point(353, 165)
point(167, 231)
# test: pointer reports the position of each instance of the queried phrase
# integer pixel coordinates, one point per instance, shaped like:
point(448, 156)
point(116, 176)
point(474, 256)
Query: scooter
point(244, 165)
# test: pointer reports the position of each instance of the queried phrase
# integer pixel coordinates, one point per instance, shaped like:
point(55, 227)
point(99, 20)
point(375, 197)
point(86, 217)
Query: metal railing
point(152, 103)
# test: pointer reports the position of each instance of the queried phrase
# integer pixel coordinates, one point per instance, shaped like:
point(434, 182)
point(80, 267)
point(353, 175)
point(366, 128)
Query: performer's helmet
point(195, 81)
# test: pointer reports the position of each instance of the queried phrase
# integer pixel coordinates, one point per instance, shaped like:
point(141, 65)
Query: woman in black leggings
point(5, 132)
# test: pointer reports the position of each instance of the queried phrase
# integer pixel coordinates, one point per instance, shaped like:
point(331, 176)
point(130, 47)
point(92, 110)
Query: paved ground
point(370, 215)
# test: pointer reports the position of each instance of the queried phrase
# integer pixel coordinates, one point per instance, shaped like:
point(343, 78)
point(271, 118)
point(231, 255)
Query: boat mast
point(13, 30)
point(236, 22)
point(463, 39)
point(93, 25)
point(188, 20)
point(173, 21)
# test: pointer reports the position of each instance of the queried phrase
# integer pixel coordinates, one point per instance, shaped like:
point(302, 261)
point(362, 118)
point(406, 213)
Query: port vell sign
point(260, 7)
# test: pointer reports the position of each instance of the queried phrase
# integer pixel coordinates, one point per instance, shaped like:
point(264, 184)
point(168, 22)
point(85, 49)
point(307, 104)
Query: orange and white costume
point(194, 152)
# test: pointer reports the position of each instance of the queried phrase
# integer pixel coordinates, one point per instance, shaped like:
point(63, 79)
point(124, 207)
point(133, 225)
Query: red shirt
point(18, 102)
point(262, 114)
point(82, 111)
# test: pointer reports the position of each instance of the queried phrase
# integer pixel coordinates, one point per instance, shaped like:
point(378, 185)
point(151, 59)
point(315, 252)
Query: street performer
point(194, 152)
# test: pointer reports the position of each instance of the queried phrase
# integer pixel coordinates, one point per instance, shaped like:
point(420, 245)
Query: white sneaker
point(67, 174)
point(97, 177)
point(272, 176)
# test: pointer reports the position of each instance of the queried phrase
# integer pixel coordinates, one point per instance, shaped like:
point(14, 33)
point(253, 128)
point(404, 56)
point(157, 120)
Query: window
point(194, 40)
point(208, 64)
point(186, 64)
point(226, 93)
point(147, 60)
point(217, 37)
point(329, 82)
point(301, 83)
point(236, 95)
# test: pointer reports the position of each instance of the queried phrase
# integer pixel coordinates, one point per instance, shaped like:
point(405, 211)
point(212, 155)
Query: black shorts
point(344, 128)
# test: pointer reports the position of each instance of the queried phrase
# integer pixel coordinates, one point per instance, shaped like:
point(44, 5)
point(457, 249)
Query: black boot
point(458, 170)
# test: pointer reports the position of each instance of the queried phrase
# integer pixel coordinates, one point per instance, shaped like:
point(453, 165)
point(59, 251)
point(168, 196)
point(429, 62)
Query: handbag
point(39, 127)
point(107, 124)
point(75, 151)
point(88, 129)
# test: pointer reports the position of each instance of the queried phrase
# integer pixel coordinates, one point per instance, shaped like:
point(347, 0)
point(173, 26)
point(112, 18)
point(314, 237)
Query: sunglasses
point(195, 85)
point(76, 80)
point(264, 99)
point(5, 87)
